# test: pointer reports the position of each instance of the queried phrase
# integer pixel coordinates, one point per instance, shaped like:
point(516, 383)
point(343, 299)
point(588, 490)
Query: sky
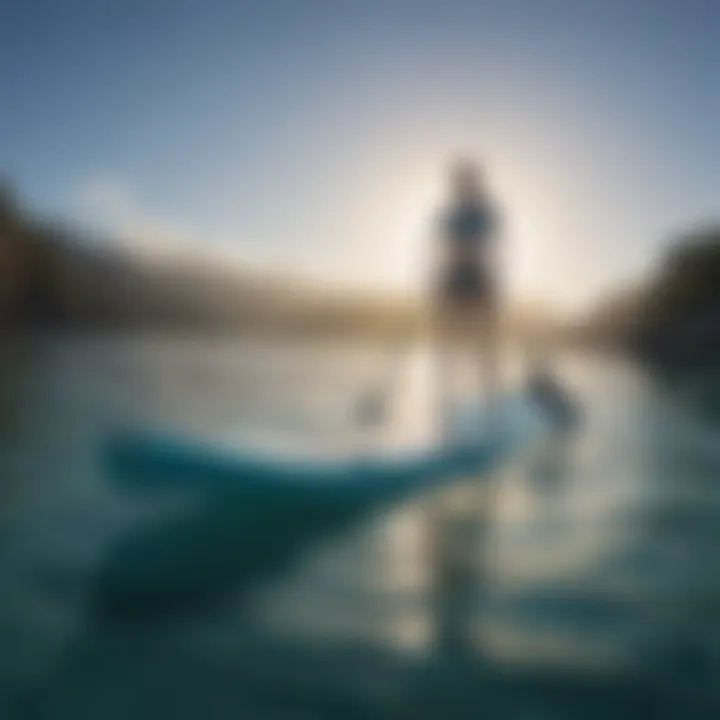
point(314, 136)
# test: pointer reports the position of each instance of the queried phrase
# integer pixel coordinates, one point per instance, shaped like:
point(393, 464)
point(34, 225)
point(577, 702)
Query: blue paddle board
point(257, 512)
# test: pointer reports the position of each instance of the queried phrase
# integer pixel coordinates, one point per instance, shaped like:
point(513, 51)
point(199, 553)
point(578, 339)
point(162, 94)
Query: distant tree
point(681, 318)
point(30, 259)
point(11, 260)
point(689, 281)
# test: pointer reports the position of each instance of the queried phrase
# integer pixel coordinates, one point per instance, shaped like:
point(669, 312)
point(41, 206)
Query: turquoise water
point(578, 579)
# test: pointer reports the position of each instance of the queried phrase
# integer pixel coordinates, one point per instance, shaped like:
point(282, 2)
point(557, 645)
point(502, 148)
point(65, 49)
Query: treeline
point(51, 277)
point(30, 264)
point(680, 320)
point(672, 320)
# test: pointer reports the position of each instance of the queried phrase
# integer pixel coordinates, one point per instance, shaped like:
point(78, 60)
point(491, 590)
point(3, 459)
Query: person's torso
point(467, 230)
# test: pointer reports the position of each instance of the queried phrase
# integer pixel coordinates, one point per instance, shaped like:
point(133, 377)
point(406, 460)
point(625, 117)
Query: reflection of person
point(466, 299)
point(457, 534)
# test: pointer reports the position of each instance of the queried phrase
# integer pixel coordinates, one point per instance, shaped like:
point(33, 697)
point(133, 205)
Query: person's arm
point(494, 243)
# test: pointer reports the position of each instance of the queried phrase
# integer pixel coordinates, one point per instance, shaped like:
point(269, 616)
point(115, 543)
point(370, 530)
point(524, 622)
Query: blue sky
point(313, 134)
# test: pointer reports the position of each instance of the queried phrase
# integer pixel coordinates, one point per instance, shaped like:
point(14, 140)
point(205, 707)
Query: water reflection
point(579, 581)
point(458, 553)
point(550, 469)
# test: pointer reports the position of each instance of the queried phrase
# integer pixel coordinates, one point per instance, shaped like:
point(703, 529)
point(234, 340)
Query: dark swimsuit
point(467, 277)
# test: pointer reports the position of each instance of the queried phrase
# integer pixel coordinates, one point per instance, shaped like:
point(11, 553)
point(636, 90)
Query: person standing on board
point(466, 301)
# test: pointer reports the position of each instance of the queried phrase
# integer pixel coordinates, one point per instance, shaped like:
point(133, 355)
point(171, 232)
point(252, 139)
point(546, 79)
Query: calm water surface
point(594, 558)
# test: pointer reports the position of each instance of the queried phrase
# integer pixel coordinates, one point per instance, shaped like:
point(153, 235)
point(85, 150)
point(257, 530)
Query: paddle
point(370, 408)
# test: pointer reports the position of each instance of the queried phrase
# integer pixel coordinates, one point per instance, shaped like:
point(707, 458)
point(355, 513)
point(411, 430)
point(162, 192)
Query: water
point(579, 579)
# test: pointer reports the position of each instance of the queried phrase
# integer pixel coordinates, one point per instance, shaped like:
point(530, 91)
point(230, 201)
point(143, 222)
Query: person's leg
point(443, 331)
point(489, 349)
point(487, 333)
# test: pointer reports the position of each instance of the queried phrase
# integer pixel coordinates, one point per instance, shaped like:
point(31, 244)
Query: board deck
point(258, 512)
point(146, 460)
